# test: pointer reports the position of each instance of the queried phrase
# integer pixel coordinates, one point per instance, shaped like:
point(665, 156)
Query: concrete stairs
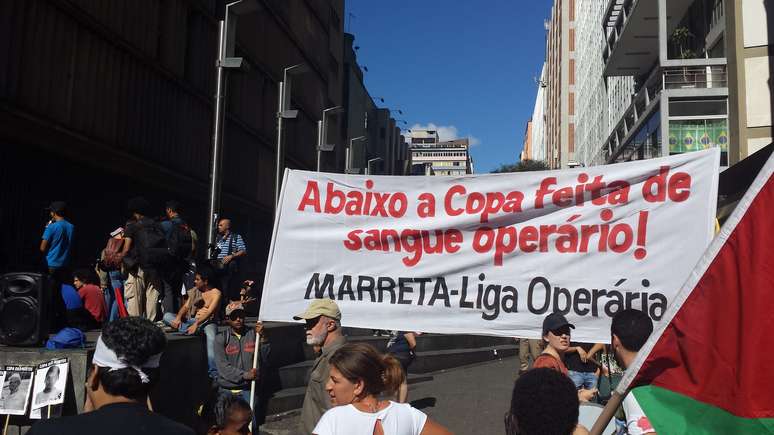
point(291, 359)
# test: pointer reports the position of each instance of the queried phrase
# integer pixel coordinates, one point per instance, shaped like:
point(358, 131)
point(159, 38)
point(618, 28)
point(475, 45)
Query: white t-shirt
point(397, 419)
point(637, 422)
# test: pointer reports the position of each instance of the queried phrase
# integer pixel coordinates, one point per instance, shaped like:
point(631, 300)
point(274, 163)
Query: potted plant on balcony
point(681, 39)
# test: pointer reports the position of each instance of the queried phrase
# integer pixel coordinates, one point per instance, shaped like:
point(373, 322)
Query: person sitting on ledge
point(124, 369)
point(197, 315)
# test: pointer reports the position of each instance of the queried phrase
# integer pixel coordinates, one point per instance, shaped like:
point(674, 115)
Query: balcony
point(692, 81)
point(631, 26)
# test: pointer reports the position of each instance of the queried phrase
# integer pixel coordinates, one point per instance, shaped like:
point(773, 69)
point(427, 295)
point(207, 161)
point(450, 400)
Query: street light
point(225, 60)
point(284, 112)
point(322, 132)
point(368, 165)
point(348, 156)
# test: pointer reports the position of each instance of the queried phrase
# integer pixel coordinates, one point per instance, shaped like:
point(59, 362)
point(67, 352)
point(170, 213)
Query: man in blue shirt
point(56, 244)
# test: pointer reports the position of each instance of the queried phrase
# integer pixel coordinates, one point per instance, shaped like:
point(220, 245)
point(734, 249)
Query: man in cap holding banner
point(124, 369)
point(323, 328)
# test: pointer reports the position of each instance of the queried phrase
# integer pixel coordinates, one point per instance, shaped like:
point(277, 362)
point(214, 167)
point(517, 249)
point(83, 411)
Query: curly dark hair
point(134, 340)
point(544, 402)
point(217, 410)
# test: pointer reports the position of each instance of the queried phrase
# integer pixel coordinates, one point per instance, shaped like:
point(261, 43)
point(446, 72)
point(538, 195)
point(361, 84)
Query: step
point(295, 375)
point(293, 398)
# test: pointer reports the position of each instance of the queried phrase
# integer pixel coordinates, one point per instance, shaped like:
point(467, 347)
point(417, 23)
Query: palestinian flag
point(709, 366)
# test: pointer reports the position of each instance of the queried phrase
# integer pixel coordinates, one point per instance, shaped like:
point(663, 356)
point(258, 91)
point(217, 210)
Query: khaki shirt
point(317, 400)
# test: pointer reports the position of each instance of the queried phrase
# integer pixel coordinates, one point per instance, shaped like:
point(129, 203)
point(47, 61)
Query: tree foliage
point(523, 166)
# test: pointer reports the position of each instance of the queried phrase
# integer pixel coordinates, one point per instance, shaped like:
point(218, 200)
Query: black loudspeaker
point(23, 308)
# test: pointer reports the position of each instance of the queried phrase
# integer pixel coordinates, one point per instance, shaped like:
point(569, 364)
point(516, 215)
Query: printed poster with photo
point(17, 383)
point(50, 381)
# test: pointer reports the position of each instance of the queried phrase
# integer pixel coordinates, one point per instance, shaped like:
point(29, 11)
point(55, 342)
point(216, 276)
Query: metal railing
point(695, 77)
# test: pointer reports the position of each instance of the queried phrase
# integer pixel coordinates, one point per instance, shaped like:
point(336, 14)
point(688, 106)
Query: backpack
point(67, 338)
point(180, 241)
point(152, 244)
point(112, 255)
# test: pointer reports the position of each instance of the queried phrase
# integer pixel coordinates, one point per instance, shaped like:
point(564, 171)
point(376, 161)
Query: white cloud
point(446, 132)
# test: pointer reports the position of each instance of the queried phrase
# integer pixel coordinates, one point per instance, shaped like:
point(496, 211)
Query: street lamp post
point(368, 165)
point(348, 155)
point(322, 132)
point(225, 60)
point(284, 112)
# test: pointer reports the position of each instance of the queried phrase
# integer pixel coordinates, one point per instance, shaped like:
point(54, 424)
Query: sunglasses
point(311, 323)
point(236, 315)
point(561, 331)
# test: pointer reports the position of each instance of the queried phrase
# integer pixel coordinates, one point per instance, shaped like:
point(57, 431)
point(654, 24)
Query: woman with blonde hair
point(359, 377)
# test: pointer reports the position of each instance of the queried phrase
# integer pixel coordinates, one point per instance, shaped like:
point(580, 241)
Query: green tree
point(523, 166)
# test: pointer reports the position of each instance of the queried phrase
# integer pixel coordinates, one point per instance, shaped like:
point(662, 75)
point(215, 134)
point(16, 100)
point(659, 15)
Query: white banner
point(492, 254)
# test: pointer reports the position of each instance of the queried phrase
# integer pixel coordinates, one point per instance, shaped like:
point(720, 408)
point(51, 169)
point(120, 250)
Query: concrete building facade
point(110, 100)
point(702, 77)
point(560, 85)
point(430, 156)
point(600, 100)
point(538, 120)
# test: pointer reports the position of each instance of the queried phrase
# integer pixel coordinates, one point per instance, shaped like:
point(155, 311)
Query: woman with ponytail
point(359, 377)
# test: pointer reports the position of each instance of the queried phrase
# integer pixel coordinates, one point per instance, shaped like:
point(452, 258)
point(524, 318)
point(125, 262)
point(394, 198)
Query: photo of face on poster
point(50, 381)
point(17, 384)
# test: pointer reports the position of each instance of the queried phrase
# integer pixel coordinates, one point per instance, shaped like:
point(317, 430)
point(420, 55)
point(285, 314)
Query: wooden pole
point(5, 428)
point(607, 413)
point(252, 384)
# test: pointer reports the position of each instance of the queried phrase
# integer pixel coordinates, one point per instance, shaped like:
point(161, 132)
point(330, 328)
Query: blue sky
point(462, 65)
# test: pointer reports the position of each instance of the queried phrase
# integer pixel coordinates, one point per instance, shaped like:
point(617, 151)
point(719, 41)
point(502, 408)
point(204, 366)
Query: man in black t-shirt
point(124, 369)
point(581, 365)
point(142, 287)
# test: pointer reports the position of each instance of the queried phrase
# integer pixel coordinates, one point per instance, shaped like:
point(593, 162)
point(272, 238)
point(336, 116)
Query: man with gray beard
point(323, 329)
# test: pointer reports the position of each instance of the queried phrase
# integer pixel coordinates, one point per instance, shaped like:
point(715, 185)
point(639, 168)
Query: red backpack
point(113, 255)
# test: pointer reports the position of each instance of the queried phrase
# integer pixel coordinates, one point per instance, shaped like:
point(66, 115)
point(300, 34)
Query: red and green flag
point(709, 367)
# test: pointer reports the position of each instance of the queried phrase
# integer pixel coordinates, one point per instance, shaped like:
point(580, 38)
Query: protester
point(143, 240)
point(582, 368)
point(630, 330)
point(91, 295)
point(110, 273)
point(77, 316)
point(197, 315)
point(544, 402)
point(556, 335)
point(359, 374)
point(56, 244)
point(323, 328)
point(527, 347)
point(180, 242)
point(50, 392)
point(234, 349)
point(226, 415)
point(230, 250)
point(401, 345)
point(123, 372)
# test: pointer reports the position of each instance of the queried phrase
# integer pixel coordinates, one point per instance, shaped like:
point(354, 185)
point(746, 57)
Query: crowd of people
point(147, 280)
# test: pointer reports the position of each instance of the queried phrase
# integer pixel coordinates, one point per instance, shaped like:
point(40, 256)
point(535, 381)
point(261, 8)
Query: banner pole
point(256, 351)
point(5, 427)
point(49, 412)
point(607, 414)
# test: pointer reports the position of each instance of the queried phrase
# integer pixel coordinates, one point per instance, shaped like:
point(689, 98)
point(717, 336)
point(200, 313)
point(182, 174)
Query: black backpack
point(180, 241)
point(151, 244)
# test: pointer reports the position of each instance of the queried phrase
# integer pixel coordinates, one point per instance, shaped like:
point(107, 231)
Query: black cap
point(57, 207)
point(554, 321)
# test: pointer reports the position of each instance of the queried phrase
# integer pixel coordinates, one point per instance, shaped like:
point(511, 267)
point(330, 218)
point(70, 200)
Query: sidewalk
point(469, 400)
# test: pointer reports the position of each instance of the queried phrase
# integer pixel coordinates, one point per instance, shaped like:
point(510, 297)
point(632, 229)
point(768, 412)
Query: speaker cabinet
point(23, 308)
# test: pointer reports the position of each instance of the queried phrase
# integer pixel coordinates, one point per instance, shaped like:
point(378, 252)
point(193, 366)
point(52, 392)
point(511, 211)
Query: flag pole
point(607, 413)
point(252, 384)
